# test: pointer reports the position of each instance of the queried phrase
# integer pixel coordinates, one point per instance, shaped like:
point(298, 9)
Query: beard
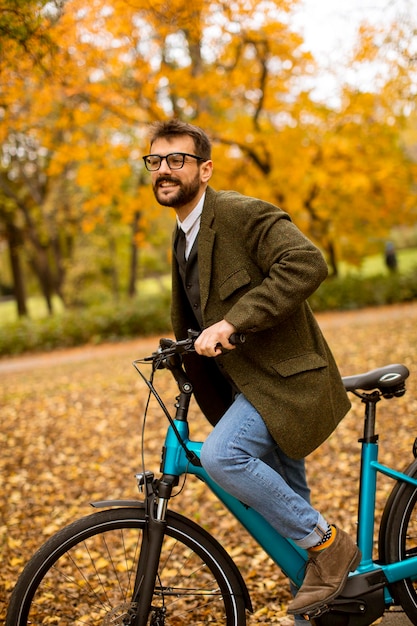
point(185, 192)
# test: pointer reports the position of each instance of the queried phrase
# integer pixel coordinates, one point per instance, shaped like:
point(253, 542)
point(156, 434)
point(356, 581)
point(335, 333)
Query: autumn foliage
point(80, 82)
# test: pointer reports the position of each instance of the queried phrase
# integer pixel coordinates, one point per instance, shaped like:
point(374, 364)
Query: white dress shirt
point(191, 226)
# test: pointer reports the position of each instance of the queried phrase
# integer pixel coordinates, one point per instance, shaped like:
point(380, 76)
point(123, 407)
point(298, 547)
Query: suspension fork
point(158, 494)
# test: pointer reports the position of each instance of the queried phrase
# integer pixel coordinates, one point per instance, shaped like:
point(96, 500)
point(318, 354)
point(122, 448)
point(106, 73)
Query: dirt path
point(142, 345)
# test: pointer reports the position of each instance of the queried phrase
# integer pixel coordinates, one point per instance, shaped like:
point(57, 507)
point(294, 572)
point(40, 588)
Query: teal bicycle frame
point(290, 558)
point(366, 518)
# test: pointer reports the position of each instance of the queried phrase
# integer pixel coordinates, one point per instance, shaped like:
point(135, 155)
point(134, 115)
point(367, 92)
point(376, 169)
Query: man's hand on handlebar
point(214, 338)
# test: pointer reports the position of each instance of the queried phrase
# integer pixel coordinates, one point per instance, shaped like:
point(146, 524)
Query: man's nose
point(164, 167)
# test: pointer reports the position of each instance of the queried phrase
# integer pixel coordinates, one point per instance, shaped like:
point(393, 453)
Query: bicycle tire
point(398, 540)
point(85, 573)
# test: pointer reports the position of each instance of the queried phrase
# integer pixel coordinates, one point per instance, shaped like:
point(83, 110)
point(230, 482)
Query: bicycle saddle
point(386, 379)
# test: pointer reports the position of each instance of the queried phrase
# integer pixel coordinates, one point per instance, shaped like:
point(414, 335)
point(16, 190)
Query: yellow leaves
point(70, 435)
point(124, 566)
point(367, 47)
point(14, 543)
point(101, 563)
point(237, 70)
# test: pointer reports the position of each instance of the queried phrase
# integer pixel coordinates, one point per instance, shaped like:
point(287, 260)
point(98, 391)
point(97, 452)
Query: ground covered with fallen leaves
point(70, 433)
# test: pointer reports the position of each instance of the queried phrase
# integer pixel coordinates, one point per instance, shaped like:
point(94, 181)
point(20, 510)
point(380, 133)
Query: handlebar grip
point(237, 338)
point(169, 348)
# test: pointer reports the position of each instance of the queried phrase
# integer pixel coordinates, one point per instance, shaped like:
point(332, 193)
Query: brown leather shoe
point(326, 574)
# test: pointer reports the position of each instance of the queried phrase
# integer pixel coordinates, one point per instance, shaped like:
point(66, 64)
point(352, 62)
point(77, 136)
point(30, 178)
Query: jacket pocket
point(299, 364)
point(238, 279)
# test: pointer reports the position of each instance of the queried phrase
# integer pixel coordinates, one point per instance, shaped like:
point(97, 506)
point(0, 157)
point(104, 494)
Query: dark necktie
point(180, 248)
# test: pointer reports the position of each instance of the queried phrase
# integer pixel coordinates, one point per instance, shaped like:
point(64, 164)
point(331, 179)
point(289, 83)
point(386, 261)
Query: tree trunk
point(40, 265)
point(14, 243)
point(114, 275)
point(134, 256)
point(332, 259)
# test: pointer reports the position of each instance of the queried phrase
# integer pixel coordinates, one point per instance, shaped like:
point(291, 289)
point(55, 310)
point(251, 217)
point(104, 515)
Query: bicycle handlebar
point(170, 347)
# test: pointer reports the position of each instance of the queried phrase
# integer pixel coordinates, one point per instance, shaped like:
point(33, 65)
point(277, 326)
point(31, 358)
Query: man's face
point(180, 189)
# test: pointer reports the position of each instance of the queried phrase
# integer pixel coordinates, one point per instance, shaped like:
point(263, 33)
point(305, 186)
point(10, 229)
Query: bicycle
point(139, 563)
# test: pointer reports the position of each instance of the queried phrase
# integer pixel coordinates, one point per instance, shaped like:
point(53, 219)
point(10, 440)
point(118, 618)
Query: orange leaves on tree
point(239, 70)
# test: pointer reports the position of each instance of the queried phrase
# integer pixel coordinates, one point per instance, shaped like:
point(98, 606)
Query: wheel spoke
point(90, 569)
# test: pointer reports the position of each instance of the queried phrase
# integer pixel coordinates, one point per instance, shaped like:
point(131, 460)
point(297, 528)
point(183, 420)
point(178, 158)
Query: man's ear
point(206, 171)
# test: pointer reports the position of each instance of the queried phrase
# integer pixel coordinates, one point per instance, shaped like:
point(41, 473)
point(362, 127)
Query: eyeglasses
point(175, 160)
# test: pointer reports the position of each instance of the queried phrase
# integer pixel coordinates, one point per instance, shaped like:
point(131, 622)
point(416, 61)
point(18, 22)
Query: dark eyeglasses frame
point(167, 158)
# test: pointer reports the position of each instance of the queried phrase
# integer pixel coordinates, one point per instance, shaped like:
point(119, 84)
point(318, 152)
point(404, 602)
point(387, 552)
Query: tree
point(24, 37)
point(13, 237)
point(80, 82)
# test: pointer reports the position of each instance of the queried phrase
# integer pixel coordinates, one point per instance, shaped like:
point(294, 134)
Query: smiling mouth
point(167, 183)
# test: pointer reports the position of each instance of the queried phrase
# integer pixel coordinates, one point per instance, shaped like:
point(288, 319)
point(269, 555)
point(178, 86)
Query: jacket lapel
point(206, 240)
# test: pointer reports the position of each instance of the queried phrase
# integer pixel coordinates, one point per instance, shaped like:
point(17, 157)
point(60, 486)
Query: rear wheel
point(86, 572)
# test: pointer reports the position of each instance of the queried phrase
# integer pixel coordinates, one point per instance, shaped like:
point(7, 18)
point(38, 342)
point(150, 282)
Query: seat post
point(370, 400)
point(368, 478)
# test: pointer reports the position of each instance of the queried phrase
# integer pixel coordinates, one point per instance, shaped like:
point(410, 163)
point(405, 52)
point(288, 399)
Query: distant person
point(391, 260)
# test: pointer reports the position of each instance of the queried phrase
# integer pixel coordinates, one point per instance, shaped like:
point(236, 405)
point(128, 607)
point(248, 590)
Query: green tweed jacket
point(256, 270)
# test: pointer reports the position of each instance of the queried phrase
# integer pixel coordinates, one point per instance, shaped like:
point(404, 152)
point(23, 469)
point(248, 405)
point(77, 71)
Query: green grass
point(375, 265)
point(37, 306)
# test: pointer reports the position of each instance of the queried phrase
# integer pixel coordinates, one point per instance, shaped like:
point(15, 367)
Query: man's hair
point(177, 128)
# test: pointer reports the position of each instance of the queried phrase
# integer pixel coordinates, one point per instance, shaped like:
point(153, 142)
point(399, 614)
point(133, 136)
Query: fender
point(104, 504)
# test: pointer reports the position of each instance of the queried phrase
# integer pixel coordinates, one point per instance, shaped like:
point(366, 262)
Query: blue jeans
point(241, 456)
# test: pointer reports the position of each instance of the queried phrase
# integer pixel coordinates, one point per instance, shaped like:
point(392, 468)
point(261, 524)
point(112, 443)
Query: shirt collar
point(187, 224)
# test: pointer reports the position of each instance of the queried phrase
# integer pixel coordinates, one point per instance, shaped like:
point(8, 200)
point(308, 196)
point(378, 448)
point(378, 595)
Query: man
point(242, 266)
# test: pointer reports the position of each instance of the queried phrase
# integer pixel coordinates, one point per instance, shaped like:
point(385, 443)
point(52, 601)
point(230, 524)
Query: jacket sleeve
point(291, 268)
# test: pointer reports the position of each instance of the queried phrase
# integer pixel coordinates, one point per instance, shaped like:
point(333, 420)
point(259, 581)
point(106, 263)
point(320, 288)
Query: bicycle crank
point(361, 611)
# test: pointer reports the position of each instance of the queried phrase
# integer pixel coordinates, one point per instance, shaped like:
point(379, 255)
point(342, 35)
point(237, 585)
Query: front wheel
point(86, 572)
point(398, 540)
